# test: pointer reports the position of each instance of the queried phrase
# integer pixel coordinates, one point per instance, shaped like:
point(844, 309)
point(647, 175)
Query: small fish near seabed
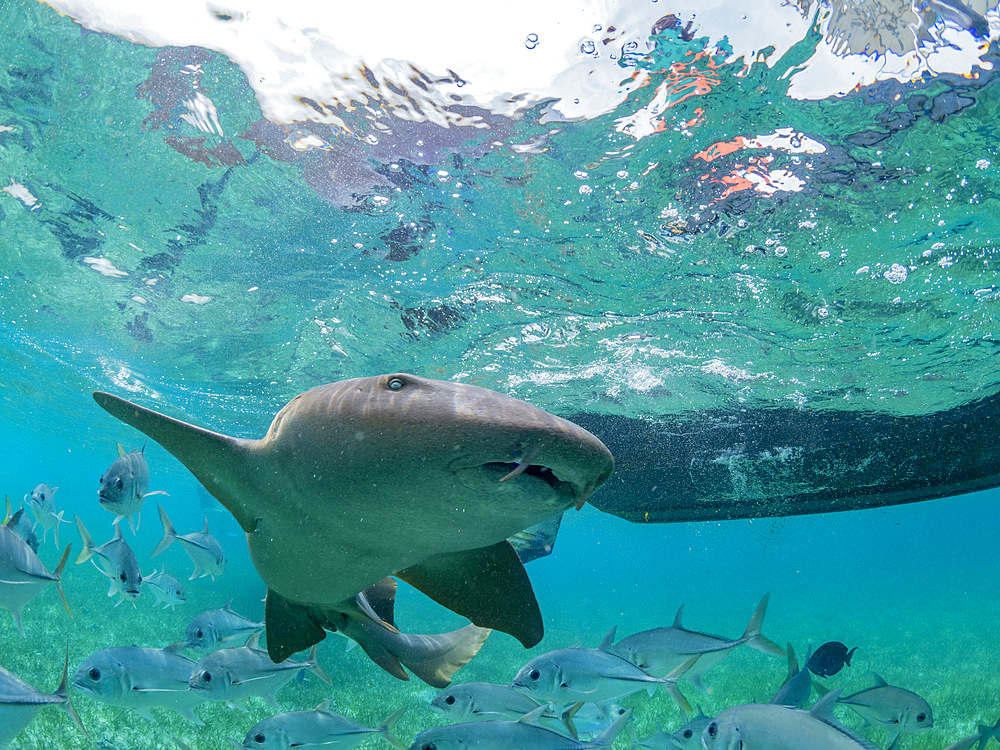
point(797, 687)
point(232, 674)
point(389, 475)
point(829, 659)
point(115, 560)
point(20, 702)
point(319, 728)
point(22, 573)
point(23, 527)
point(43, 509)
point(168, 590)
point(125, 486)
point(141, 678)
point(688, 737)
point(659, 650)
point(432, 658)
point(220, 628)
point(895, 709)
point(593, 675)
point(204, 549)
point(768, 726)
point(524, 734)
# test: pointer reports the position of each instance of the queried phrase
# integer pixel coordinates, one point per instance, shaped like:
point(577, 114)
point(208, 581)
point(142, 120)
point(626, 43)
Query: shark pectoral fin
point(488, 585)
point(221, 463)
point(290, 627)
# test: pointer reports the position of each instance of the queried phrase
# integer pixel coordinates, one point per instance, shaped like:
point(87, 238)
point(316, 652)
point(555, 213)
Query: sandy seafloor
point(913, 587)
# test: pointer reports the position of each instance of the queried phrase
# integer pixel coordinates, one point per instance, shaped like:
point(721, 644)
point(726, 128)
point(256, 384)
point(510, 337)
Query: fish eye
point(534, 674)
point(119, 484)
point(688, 734)
point(259, 738)
point(428, 746)
point(199, 634)
point(450, 700)
point(921, 717)
point(713, 729)
point(396, 383)
point(206, 676)
point(94, 674)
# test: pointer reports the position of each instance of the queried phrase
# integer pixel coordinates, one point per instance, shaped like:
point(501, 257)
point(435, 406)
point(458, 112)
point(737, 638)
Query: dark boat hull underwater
point(786, 461)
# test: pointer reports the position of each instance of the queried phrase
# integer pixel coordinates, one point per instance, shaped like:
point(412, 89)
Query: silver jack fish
point(231, 674)
point(43, 510)
point(220, 628)
point(20, 702)
point(125, 485)
point(660, 650)
point(167, 589)
point(768, 726)
point(141, 678)
point(115, 560)
point(895, 709)
point(319, 728)
point(593, 675)
point(203, 548)
point(389, 475)
point(22, 574)
point(524, 734)
point(688, 737)
point(797, 687)
point(22, 526)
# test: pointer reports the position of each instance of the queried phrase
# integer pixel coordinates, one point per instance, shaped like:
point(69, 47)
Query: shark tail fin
point(754, 638)
point(62, 693)
point(438, 657)
point(606, 738)
point(385, 729)
point(58, 577)
point(88, 544)
point(168, 533)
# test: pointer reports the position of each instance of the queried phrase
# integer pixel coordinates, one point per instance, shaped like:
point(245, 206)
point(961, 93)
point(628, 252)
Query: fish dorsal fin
point(793, 664)
point(677, 617)
point(228, 607)
point(15, 519)
point(254, 641)
point(176, 647)
point(879, 682)
point(121, 451)
point(9, 509)
point(488, 585)
point(823, 708)
point(381, 598)
point(324, 706)
point(609, 640)
point(205, 530)
point(533, 715)
point(224, 465)
point(290, 627)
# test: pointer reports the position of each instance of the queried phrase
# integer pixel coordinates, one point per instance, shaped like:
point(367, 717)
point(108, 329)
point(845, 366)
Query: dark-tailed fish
point(768, 726)
point(22, 574)
point(319, 728)
point(220, 628)
point(660, 650)
point(231, 674)
point(168, 590)
point(114, 559)
point(593, 675)
point(524, 734)
point(125, 485)
point(432, 658)
point(43, 510)
point(203, 548)
point(23, 526)
point(985, 732)
point(829, 659)
point(390, 475)
point(688, 737)
point(797, 687)
point(140, 679)
point(895, 709)
point(20, 702)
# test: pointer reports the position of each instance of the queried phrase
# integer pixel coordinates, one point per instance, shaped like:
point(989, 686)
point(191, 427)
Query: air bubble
point(588, 48)
point(532, 41)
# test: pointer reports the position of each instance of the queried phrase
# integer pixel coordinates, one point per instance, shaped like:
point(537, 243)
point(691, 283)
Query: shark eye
point(94, 674)
point(396, 383)
point(259, 738)
point(534, 674)
point(713, 729)
point(450, 700)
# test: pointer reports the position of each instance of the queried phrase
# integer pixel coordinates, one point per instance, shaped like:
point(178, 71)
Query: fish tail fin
point(62, 693)
point(754, 638)
point(59, 520)
point(168, 532)
point(986, 732)
point(58, 576)
point(670, 684)
point(88, 544)
point(606, 738)
point(314, 667)
point(386, 727)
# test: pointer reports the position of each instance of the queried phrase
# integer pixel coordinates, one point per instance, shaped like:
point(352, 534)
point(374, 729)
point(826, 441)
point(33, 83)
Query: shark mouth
point(544, 473)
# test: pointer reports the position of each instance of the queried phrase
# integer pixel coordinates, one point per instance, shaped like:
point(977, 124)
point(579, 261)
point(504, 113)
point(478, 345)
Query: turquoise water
point(580, 267)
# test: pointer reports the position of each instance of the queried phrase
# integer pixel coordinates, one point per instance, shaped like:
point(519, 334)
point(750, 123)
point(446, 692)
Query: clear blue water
point(646, 295)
